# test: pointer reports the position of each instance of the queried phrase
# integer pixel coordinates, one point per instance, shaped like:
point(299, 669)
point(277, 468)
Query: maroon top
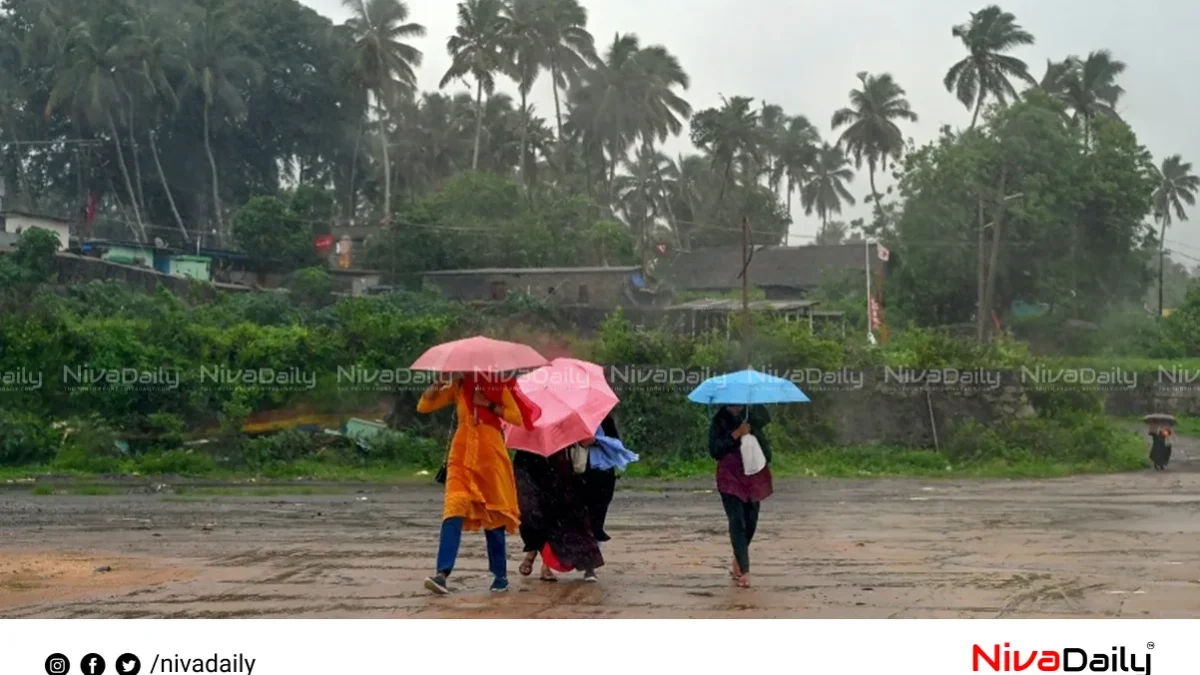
point(731, 475)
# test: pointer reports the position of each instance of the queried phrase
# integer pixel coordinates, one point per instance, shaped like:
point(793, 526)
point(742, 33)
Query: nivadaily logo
point(1004, 659)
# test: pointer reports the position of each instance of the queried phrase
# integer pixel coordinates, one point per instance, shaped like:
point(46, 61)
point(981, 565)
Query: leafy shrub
point(398, 447)
point(25, 439)
point(90, 445)
point(286, 446)
point(176, 463)
point(1078, 439)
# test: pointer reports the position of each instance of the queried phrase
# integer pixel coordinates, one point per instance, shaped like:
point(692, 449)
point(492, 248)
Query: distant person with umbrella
point(1160, 439)
point(480, 489)
point(737, 440)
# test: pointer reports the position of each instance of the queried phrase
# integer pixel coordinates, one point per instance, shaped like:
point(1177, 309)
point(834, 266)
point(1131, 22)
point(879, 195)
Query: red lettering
point(978, 653)
point(1050, 662)
point(1024, 666)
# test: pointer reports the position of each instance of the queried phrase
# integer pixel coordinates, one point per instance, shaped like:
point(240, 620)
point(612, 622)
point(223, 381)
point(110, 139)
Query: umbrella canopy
point(747, 387)
point(479, 355)
point(1159, 418)
point(574, 399)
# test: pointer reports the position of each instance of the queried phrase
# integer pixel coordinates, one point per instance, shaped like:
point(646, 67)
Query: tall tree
point(729, 134)
point(630, 95)
point(219, 68)
point(384, 63)
point(797, 154)
point(987, 69)
point(870, 121)
point(86, 81)
point(1177, 186)
point(826, 190)
point(1088, 87)
point(477, 49)
point(774, 123)
point(569, 49)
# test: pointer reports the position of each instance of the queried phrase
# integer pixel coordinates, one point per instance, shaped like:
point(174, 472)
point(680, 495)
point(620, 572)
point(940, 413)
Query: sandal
point(547, 575)
point(743, 581)
point(526, 567)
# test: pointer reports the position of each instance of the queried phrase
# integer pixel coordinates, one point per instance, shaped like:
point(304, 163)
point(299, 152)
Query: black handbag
point(440, 478)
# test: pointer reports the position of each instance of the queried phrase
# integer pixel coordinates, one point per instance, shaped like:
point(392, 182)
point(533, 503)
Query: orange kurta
point(480, 486)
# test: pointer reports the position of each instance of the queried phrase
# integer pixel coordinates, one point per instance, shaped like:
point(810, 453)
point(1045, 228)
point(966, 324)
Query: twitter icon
point(129, 664)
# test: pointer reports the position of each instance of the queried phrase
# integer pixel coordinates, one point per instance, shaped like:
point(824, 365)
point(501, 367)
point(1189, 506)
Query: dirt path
point(1102, 546)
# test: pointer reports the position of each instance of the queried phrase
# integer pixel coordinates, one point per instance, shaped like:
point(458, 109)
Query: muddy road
point(1100, 546)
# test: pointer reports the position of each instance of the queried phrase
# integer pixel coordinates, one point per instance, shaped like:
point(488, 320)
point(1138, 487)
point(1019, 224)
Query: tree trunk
point(137, 214)
point(874, 192)
point(216, 186)
point(137, 164)
point(978, 106)
point(351, 202)
point(557, 108)
point(524, 139)
point(980, 326)
point(1162, 254)
point(162, 177)
point(787, 234)
point(997, 227)
point(18, 171)
point(478, 123)
point(387, 161)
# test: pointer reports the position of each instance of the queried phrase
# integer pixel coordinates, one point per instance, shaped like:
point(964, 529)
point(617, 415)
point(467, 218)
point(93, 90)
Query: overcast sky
point(803, 55)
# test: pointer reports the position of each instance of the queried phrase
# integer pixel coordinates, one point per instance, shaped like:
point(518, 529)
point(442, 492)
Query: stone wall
point(79, 269)
point(595, 286)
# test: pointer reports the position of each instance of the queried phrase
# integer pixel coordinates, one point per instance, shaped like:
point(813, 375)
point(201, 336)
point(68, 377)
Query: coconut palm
point(629, 95)
point(218, 69)
point(152, 51)
point(729, 134)
point(477, 49)
point(987, 69)
point(826, 190)
point(383, 63)
point(1089, 89)
point(871, 131)
point(1052, 81)
point(1177, 186)
point(86, 82)
point(797, 154)
point(774, 123)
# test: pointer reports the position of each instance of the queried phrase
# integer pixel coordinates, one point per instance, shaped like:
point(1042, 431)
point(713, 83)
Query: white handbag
point(579, 458)
point(753, 459)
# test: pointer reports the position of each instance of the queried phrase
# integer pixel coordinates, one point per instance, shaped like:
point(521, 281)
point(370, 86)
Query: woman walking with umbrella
point(480, 489)
point(736, 439)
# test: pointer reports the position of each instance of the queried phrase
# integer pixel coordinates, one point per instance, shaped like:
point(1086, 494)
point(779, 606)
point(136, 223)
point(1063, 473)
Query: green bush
point(25, 439)
point(1078, 439)
point(90, 445)
point(398, 447)
point(176, 463)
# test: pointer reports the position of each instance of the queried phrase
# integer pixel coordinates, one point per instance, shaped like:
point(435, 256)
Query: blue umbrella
point(747, 387)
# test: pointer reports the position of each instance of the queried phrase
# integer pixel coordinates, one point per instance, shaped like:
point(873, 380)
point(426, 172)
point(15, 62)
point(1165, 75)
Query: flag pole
point(867, 271)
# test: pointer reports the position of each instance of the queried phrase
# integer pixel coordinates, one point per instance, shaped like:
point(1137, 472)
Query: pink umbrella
point(479, 355)
point(574, 399)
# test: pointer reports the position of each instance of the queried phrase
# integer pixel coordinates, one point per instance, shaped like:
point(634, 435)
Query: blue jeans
point(452, 529)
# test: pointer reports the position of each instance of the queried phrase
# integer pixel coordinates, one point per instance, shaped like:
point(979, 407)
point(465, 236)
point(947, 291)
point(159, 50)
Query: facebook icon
point(92, 664)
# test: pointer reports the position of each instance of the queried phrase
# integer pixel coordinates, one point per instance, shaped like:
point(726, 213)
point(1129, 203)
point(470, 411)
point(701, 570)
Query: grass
point(86, 489)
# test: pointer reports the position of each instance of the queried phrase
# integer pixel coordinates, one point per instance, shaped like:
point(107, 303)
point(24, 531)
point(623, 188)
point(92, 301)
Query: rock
point(103, 568)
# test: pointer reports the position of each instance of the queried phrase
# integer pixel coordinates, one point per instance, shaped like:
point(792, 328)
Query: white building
point(16, 222)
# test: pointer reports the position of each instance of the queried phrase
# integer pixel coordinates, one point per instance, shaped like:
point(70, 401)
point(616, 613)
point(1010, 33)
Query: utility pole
point(746, 255)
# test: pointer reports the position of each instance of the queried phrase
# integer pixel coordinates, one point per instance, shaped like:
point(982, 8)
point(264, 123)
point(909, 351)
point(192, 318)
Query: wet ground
point(1098, 546)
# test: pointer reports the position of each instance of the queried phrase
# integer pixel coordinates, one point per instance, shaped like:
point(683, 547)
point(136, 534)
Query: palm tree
point(870, 122)
point(729, 133)
point(565, 46)
point(384, 64)
point(640, 192)
point(1177, 185)
point(477, 49)
point(797, 154)
point(774, 127)
point(150, 55)
point(826, 187)
point(986, 70)
point(1053, 81)
point(1088, 87)
point(218, 67)
point(85, 79)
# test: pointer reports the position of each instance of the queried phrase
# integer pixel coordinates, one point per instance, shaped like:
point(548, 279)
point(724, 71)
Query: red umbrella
point(479, 355)
point(573, 398)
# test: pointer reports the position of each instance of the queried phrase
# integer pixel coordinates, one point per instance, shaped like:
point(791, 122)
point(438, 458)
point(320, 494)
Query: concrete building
point(782, 272)
point(590, 286)
point(16, 222)
point(163, 260)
